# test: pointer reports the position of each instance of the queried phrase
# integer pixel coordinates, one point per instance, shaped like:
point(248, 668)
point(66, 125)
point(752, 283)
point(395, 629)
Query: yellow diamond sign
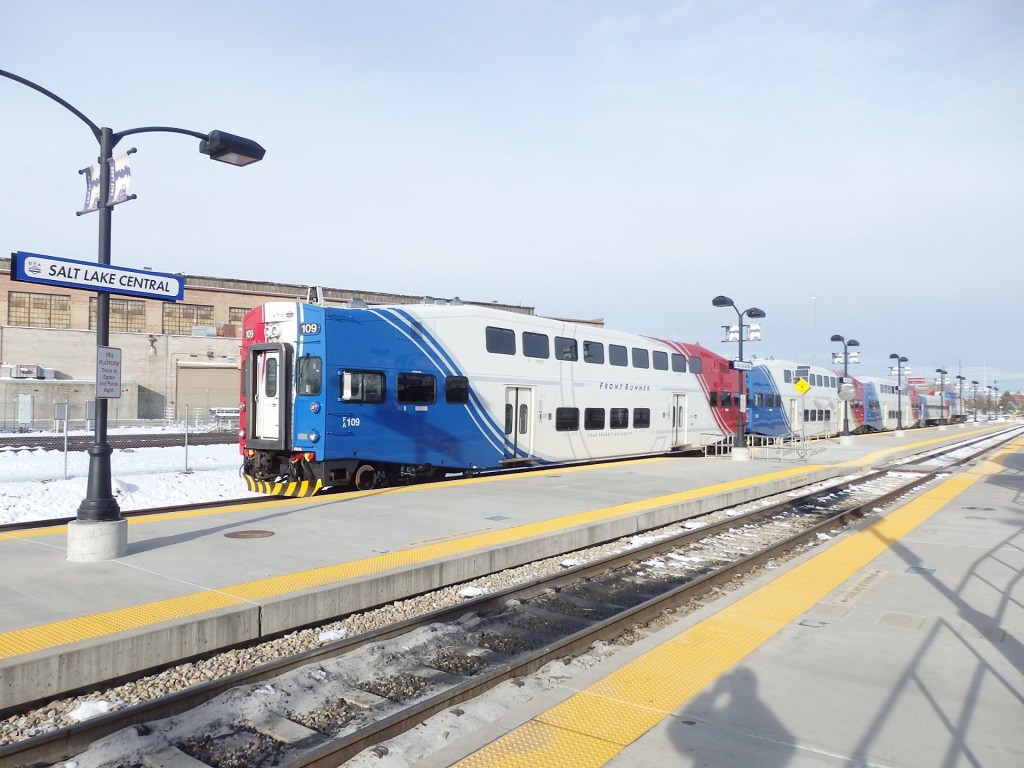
point(802, 386)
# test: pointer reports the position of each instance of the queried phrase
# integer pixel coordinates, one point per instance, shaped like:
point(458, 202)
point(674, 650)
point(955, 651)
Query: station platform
point(194, 582)
point(898, 645)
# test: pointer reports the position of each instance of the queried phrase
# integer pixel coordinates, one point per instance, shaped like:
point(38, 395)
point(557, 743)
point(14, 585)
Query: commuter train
point(362, 397)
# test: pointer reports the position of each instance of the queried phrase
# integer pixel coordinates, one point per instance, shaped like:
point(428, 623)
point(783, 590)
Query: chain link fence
point(54, 445)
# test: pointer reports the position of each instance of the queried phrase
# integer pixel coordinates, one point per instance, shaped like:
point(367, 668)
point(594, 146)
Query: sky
point(852, 168)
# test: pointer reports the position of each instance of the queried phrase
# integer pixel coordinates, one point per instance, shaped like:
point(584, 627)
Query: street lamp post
point(900, 360)
point(740, 452)
point(942, 395)
point(974, 387)
point(988, 404)
point(87, 540)
point(960, 397)
point(846, 374)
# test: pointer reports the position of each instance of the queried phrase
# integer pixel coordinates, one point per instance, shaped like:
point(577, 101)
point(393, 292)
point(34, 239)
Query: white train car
point(790, 400)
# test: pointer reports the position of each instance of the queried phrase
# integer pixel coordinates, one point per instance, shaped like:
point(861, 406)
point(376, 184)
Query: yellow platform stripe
point(592, 726)
point(43, 636)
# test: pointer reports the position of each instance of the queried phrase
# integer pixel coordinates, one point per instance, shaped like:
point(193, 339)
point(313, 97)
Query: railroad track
point(25, 442)
point(321, 707)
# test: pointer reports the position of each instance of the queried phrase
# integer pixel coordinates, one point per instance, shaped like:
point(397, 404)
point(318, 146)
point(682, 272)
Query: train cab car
point(790, 401)
point(357, 396)
point(882, 403)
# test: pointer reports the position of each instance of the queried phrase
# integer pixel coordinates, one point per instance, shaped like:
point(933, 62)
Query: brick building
point(174, 354)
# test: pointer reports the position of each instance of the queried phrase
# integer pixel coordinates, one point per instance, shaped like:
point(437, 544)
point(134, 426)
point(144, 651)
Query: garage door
point(202, 387)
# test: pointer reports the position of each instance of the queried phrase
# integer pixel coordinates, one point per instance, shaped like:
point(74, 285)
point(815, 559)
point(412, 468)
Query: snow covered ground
point(32, 484)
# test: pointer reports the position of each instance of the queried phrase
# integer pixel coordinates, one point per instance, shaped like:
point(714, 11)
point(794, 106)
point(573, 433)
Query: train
point(358, 396)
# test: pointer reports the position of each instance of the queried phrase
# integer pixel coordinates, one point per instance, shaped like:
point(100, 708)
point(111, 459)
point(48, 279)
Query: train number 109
point(349, 421)
point(310, 328)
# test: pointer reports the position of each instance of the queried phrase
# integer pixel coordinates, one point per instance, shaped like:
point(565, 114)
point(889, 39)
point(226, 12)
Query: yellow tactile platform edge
point(592, 726)
point(40, 637)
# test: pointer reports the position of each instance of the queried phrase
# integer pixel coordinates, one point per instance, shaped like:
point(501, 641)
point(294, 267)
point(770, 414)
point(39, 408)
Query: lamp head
point(754, 312)
point(853, 343)
point(723, 301)
point(837, 337)
point(228, 148)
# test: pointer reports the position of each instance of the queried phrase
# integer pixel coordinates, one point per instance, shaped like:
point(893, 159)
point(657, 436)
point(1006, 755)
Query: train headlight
point(273, 331)
point(314, 436)
point(314, 407)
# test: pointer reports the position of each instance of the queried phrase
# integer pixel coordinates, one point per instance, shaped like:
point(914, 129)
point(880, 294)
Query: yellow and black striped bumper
point(294, 488)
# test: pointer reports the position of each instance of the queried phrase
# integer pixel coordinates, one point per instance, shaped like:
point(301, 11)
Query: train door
point(679, 420)
point(268, 394)
point(518, 422)
point(795, 423)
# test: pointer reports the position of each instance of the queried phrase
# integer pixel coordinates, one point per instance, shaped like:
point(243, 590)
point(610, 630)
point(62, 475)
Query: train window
point(787, 376)
point(456, 389)
point(617, 355)
point(593, 418)
point(508, 418)
point(593, 352)
point(679, 363)
point(832, 382)
point(416, 388)
point(619, 418)
point(725, 399)
point(501, 341)
point(821, 415)
point(567, 419)
point(308, 375)
point(641, 418)
point(565, 349)
point(758, 400)
point(828, 415)
point(362, 386)
point(536, 345)
point(713, 398)
point(660, 360)
point(270, 377)
point(641, 358)
point(695, 364)
point(524, 418)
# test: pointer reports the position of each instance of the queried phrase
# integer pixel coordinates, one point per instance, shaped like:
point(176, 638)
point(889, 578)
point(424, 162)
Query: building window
point(125, 314)
point(180, 319)
point(237, 314)
point(39, 310)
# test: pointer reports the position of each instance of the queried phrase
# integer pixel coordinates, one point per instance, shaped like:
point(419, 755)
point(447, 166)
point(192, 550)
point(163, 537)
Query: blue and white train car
point(790, 400)
point(369, 396)
point(882, 402)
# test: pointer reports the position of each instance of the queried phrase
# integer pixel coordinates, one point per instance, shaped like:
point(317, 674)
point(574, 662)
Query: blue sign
point(90, 276)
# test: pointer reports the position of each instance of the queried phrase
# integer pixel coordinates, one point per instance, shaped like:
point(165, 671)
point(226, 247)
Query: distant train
point(364, 397)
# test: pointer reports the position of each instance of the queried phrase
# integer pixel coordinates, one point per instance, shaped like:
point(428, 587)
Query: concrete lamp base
point(846, 439)
point(90, 542)
point(741, 454)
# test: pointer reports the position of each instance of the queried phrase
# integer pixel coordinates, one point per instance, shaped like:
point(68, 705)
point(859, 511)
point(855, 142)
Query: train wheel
point(365, 478)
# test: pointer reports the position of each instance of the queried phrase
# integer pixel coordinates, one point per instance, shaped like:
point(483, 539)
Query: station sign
point(91, 276)
point(740, 365)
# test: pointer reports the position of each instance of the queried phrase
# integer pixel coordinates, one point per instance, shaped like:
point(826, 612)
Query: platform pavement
point(899, 645)
point(186, 588)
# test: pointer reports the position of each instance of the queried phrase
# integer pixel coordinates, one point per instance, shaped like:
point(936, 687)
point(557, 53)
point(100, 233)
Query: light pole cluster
point(900, 360)
point(942, 394)
point(846, 374)
point(99, 505)
point(754, 313)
